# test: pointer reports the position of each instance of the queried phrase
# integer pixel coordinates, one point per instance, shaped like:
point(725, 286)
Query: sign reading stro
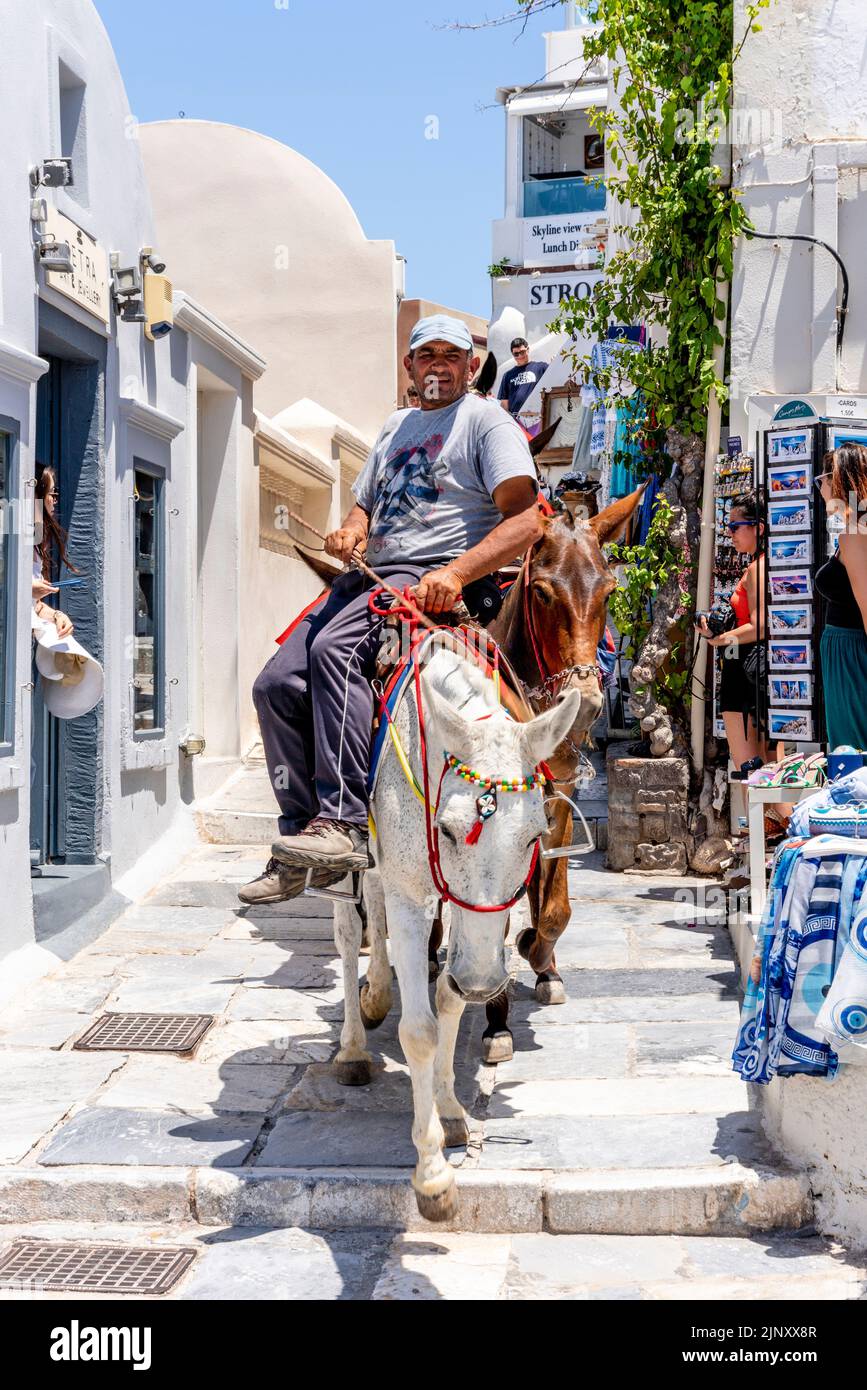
point(557, 240)
point(547, 291)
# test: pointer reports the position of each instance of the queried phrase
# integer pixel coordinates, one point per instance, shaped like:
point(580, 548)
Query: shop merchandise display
point(733, 476)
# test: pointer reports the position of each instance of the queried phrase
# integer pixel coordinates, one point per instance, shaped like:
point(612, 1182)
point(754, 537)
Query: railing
point(557, 197)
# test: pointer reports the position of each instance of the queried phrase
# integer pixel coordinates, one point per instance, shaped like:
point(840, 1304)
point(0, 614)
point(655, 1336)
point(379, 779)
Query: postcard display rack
point(733, 475)
point(795, 545)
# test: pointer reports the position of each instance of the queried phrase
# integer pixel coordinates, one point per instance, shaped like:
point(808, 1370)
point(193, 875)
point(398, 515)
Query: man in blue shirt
point(520, 380)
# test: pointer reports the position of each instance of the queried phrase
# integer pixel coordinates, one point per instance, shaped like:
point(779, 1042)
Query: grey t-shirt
point(428, 482)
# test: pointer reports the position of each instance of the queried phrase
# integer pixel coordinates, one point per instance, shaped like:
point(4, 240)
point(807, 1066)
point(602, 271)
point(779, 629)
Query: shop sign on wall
point(547, 291)
point(557, 240)
point(87, 285)
point(846, 407)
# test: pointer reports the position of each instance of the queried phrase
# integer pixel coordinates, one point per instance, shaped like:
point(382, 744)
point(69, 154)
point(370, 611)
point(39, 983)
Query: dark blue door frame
point(66, 781)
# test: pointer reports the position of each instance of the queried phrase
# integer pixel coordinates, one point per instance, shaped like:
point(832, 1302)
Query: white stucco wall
point(271, 244)
point(148, 413)
point(798, 157)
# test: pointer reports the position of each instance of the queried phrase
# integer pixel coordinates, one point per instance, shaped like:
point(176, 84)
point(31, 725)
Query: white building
point(287, 262)
point(799, 155)
point(551, 242)
point(171, 477)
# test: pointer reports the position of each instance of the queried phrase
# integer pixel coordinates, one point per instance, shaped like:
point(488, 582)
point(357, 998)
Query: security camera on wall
point(159, 314)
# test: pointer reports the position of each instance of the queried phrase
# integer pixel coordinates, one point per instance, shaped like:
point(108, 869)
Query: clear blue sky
point(350, 86)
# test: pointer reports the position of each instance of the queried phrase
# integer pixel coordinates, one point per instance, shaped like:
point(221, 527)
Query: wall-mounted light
point(52, 173)
point(55, 255)
point(192, 745)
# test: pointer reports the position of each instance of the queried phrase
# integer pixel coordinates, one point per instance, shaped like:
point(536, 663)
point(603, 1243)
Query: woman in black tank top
point(842, 583)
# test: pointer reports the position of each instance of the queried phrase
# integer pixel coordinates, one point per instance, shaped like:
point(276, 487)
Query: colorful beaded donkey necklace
point(486, 804)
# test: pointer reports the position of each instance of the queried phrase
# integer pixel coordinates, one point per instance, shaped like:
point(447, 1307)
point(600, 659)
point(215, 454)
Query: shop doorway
point(67, 755)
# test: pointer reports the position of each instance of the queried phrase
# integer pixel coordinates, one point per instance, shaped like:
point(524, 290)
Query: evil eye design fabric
point(844, 1013)
point(813, 987)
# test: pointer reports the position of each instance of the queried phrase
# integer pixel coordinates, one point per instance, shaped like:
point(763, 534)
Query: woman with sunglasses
point(736, 698)
point(842, 583)
point(49, 551)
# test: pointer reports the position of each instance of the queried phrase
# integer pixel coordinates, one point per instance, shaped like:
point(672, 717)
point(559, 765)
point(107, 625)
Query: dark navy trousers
point(315, 704)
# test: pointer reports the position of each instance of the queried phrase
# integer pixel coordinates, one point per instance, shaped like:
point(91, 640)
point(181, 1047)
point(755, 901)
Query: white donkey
point(462, 717)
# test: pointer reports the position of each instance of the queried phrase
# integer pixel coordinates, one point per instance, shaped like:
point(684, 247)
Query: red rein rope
point(409, 613)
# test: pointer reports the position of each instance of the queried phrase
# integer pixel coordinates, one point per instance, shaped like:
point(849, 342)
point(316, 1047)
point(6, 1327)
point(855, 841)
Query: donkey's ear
point(453, 728)
point(544, 734)
point(610, 525)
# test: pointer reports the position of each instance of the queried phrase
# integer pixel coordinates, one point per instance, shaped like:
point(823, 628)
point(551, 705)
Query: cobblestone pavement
point(617, 1123)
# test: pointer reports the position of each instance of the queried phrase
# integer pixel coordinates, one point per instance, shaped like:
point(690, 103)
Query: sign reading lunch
point(557, 240)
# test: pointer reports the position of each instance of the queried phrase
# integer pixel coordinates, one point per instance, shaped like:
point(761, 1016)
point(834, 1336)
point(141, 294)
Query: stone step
point(730, 1199)
point(292, 1264)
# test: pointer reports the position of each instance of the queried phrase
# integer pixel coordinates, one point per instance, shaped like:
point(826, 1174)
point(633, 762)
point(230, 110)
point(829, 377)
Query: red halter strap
point(408, 613)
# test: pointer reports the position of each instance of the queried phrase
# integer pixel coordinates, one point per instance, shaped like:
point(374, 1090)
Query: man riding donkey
point(447, 497)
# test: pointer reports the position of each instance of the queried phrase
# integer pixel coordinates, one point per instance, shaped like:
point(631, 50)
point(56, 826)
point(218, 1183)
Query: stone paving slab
point(38, 1089)
point(630, 1008)
point(292, 929)
point(42, 1029)
point(197, 1088)
point(579, 1268)
point(653, 1095)
point(670, 1049)
point(269, 1041)
point(290, 1006)
point(721, 980)
point(630, 1141)
point(555, 1054)
point(294, 1264)
point(149, 1138)
point(313, 1139)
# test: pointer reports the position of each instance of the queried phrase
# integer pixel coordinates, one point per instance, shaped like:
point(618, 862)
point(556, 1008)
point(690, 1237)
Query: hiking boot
point(325, 844)
point(277, 883)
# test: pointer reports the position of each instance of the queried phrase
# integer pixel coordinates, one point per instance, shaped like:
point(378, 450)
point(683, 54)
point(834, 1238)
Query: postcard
point(789, 655)
point(790, 690)
point(785, 446)
point(786, 584)
point(793, 724)
point(790, 481)
point(790, 550)
point(789, 516)
point(790, 619)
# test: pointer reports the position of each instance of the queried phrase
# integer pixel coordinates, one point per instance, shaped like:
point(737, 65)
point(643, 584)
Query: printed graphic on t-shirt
point(409, 485)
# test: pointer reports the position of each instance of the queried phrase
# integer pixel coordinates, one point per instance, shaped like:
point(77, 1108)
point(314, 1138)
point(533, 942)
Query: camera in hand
point(721, 618)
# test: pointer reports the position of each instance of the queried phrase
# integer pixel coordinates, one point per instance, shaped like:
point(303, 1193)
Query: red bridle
point(407, 612)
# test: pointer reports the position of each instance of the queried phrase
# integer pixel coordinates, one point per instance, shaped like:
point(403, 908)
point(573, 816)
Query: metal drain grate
point(145, 1033)
point(117, 1269)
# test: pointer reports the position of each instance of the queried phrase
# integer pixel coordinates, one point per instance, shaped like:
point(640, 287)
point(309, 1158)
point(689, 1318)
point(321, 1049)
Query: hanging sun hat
point(72, 681)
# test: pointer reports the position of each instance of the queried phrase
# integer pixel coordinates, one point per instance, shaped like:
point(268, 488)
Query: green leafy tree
point(671, 63)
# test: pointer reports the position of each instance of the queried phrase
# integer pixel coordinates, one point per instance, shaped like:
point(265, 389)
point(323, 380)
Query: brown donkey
point(549, 627)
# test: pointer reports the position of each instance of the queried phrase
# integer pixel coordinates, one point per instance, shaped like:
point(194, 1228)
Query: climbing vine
point(675, 223)
point(648, 569)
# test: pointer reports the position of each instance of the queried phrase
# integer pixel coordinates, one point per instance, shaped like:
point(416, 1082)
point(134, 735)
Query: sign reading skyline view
point(558, 240)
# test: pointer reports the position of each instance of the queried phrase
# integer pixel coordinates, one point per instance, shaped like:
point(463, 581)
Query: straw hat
point(72, 681)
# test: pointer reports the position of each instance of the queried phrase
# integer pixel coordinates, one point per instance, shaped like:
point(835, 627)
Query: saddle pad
point(850, 821)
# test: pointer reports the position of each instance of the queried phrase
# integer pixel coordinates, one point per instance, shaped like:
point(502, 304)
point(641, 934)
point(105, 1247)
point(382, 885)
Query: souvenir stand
point(733, 475)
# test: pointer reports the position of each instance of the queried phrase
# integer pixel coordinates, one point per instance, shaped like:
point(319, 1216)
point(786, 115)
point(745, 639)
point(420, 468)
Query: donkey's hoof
point(355, 1073)
point(497, 1047)
point(524, 942)
point(440, 1206)
point(456, 1131)
point(369, 1023)
point(433, 968)
point(550, 990)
